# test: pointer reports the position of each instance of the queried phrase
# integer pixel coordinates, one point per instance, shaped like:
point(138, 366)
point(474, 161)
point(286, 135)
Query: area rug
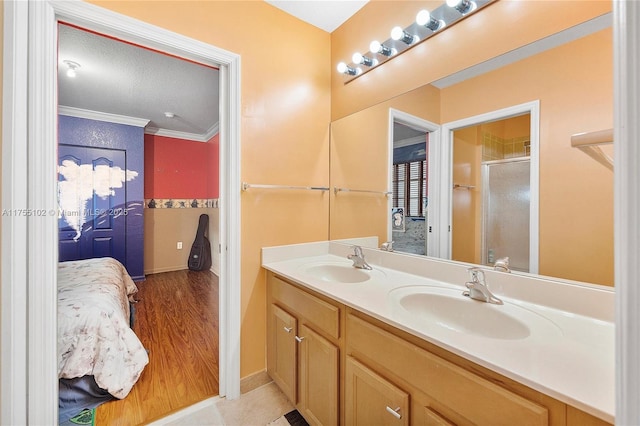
point(84, 418)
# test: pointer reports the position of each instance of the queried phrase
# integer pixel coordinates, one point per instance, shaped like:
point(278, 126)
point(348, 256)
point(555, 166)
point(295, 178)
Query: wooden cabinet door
point(282, 350)
point(372, 400)
point(319, 378)
point(433, 418)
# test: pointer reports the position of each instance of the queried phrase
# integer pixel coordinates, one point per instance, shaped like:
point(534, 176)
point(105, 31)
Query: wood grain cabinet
point(341, 366)
point(371, 399)
point(441, 392)
point(303, 355)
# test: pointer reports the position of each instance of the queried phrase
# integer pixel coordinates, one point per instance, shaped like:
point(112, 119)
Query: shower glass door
point(506, 212)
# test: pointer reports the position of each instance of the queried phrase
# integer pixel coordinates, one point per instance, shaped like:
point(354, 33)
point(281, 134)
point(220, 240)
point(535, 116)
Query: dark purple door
point(91, 199)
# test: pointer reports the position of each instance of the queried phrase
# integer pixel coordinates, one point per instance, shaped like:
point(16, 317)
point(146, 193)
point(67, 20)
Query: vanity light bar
point(428, 24)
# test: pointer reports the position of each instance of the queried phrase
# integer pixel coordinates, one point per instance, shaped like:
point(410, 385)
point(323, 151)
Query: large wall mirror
point(569, 195)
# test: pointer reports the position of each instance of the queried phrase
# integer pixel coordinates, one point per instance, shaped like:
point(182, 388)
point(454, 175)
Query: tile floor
point(262, 406)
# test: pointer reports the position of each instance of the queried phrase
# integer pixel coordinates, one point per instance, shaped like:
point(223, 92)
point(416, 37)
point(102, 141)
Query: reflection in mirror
point(491, 193)
point(409, 186)
point(573, 82)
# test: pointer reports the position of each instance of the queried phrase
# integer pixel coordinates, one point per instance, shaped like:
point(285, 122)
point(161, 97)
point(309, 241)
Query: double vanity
point(400, 343)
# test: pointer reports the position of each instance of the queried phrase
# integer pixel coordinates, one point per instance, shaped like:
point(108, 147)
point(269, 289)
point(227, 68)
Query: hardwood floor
point(177, 321)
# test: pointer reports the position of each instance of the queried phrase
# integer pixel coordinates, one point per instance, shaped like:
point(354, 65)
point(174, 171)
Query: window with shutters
point(410, 187)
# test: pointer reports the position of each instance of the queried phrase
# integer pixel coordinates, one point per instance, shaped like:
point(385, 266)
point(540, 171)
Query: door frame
point(443, 226)
point(29, 381)
point(433, 129)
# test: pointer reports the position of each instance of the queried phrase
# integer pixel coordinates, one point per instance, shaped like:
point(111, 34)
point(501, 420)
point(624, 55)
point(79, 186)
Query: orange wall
point(574, 84)
point(465, 227)
point(512, 24)
point(284, 129)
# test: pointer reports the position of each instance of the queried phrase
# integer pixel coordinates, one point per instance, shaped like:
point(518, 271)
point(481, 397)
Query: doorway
point(32, 27)
point(471, 149)
point(409, 171)
point(133, 181)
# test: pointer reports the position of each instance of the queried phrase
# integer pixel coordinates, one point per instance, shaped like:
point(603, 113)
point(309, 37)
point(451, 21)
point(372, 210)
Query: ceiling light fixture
point(377, 47)
point(398, 34)
point(71, 68)
point(425, 19)
point(462, 6)
point(169, 114)
point(358, 58)
point(428, 23)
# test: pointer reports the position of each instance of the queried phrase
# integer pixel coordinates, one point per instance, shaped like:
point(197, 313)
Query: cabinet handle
point(288, 329)
point(395, 413)
point(299, 339)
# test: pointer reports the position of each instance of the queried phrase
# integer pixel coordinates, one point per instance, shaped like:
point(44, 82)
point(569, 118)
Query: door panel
point(91, 198)
point(507, 213)
point(282, 351)
point(319, 378)
point(370, 399)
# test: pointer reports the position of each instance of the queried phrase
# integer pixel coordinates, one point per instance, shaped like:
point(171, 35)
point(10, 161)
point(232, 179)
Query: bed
point(99, 355)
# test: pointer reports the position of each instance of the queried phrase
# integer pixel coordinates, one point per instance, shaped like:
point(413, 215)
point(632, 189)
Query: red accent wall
point(178, 168)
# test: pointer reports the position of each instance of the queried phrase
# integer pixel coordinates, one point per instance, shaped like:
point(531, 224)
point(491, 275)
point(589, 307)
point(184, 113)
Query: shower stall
point(506, 212)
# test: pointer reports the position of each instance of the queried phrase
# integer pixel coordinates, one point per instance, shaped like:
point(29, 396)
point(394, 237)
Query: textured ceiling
point(127, 80)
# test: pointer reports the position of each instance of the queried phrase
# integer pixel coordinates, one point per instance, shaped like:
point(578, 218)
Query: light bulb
point(364, 60)
point(462, 6)
point(71, 73)
point(397, 33)
point(376, 47)
point(423, 17)
point(345, 69)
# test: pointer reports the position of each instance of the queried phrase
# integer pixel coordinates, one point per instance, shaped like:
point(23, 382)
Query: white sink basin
point(337, 272)
point(449, 309)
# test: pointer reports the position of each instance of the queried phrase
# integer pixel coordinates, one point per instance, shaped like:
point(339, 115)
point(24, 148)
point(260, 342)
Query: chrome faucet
point(388, 246)
point(478, 289)
point(502, 265)
point(358, 258)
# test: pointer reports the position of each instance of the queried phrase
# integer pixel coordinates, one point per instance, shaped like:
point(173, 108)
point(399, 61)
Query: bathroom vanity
point(400, 344)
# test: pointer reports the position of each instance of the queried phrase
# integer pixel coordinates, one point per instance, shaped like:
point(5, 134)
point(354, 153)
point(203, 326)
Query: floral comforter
point(94, 336)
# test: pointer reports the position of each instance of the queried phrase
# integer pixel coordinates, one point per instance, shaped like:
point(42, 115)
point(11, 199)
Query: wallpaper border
point(181, 203)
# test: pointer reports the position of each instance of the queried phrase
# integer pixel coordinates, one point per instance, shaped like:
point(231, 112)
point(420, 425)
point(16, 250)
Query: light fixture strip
point(445, 15)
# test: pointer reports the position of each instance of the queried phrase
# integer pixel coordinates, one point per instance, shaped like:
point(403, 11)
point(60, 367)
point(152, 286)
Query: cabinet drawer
point(470, 398)
point(323, 315)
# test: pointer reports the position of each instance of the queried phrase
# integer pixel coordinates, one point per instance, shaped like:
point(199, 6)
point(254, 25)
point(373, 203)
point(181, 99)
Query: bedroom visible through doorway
point(152, 121)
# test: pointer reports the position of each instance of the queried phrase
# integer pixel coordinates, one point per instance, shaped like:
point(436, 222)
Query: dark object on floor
point(295, 418)
point(132, 314)
point(200, 255)
point(78, 394)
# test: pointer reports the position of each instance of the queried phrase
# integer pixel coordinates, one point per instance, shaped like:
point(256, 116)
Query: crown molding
point(206, 137)
point(138, 122)
point(102, 116)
